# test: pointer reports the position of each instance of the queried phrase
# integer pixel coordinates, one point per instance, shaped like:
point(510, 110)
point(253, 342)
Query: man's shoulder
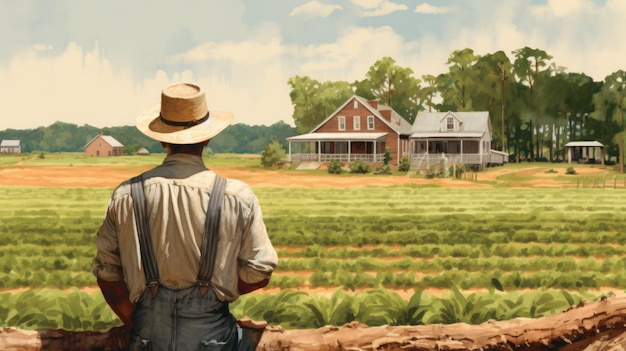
point(123, 189)
point(239, 189)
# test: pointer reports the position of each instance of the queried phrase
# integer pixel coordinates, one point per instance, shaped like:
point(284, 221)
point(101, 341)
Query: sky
point(102, 63)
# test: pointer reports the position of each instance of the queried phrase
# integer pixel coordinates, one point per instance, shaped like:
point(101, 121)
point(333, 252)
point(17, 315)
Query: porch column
point(318, 149)
point(602, 153)
point(462, 157)
point(349, 149)
point(569, 154)
point(375, 144)
point(289, 158)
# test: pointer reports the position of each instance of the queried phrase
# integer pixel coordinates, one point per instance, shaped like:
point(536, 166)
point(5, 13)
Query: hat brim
point(151, 125)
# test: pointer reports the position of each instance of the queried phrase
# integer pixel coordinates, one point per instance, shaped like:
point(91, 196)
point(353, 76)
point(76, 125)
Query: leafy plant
point(359, 166)
point(335, 167)
point(336, 310)
point(404, 165)
point(272, 154)
point(384, 169)
point(387, 157)
point(570, 170)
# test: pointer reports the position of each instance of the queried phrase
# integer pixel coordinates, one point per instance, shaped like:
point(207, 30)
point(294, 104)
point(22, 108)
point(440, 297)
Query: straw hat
point(182, 117)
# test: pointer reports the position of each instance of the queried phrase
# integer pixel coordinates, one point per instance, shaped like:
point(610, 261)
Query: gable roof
point(471, 124)
point(10, 143)
point(403, 127)
point(107, 139)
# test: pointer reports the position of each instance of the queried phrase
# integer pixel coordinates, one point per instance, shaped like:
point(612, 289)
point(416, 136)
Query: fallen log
point(598, 326)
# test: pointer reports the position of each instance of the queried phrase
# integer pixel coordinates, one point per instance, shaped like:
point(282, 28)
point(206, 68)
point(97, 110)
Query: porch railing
point(338, 157)
point(420, 161)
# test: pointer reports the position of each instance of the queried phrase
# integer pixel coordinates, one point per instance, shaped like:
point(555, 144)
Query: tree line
point(66, 137)
point(535, 106)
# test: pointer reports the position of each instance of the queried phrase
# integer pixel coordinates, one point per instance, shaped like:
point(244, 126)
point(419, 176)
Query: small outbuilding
point(585, 152)
point(143, 152)
point(104, 145)
point(10, 147)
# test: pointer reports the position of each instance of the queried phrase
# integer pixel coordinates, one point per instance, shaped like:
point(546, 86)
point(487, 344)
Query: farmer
point(168, 285)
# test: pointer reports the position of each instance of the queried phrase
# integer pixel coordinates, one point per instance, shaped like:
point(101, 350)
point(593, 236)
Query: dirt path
point(111, 176)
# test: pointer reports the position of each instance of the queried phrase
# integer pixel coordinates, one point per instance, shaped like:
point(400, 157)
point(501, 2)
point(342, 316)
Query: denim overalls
point(186, 319)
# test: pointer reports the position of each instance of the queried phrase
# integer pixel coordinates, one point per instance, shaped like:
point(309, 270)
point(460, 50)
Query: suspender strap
point(208, 250)
point(148, 261)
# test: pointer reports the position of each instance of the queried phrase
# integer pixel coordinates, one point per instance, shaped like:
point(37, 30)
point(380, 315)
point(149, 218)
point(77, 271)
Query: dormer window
point(450, 123)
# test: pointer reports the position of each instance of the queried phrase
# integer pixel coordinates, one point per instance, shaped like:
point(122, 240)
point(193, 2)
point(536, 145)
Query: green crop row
point(76, 310)
point(47, 234)
point(611, 264)
point(506, 280)
point(510, 250)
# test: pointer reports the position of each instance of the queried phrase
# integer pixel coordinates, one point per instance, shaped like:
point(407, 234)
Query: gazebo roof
point(585, 143)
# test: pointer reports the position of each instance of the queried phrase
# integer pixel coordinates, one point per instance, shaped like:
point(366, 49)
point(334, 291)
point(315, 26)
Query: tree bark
point(598, 326)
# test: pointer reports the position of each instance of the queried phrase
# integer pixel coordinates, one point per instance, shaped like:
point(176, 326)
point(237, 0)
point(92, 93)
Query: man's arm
point(245, 288)
point(116, 295)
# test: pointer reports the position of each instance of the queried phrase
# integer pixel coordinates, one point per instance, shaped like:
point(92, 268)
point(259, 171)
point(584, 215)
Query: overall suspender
point(208, 250)
point(210, 238)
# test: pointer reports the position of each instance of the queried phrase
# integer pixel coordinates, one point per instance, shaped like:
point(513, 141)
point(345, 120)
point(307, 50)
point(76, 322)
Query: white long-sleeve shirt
point(177, 197)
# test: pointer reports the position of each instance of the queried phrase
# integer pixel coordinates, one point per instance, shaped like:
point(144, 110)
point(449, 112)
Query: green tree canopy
point(314, 101)
point(610, 103)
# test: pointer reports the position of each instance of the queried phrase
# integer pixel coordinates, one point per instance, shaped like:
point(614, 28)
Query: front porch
point(422, 161)
point(343, 147)
point(467, 150)
point(345, 158)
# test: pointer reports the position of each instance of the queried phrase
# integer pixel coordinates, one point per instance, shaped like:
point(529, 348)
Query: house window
point(450, 123)
point(356, 104)
point(357, 123)
point(342, 123)
point(341, 147)
point(370, 122)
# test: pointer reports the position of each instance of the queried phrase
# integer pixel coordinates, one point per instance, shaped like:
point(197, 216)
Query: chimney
point(386, 114)
point(373, 103)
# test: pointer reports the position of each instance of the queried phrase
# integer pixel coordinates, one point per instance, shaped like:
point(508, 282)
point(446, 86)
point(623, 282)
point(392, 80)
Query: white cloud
point(82, 87)
point(244, 52)
point(315, 8)
point(375, 8)
point(42, 47)
point(351, 55)
point(428, 9)
point(563, 8)
point(368, 4)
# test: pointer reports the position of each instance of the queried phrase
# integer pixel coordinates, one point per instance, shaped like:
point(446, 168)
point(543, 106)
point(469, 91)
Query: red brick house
point(104, 145)
point(360, 129)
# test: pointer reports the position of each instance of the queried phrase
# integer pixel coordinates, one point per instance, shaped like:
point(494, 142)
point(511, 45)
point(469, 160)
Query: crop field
point(400, 254)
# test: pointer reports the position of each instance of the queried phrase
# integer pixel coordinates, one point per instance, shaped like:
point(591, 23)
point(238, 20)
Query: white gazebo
point(585, 151)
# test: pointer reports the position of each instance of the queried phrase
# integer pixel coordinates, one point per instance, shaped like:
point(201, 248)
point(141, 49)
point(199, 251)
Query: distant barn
point(104, 145)
point(143, 152)
point(10, 147)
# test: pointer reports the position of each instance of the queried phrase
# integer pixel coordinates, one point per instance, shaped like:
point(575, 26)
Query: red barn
point(104, 145)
